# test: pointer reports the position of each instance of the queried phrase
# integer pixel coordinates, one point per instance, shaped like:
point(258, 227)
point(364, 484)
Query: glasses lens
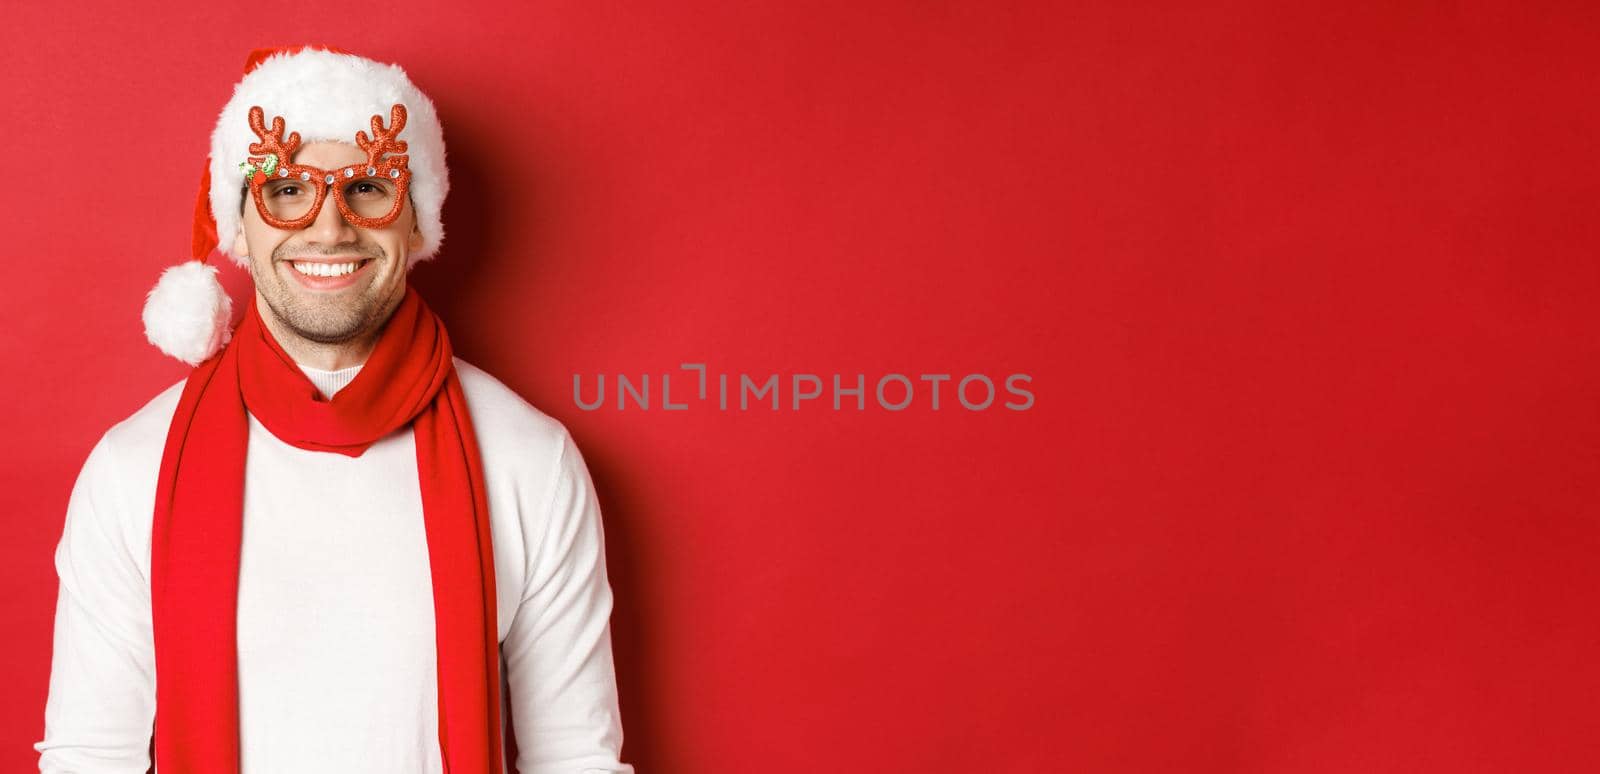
point(370, 197)
point(288, 198)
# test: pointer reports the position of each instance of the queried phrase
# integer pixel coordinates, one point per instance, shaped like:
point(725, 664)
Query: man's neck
point(316, 354)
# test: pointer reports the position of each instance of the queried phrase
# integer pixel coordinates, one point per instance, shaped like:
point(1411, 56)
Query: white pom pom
point(187, 313)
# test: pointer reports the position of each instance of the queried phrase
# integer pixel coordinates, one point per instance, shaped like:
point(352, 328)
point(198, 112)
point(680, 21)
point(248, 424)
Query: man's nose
point(330, 226)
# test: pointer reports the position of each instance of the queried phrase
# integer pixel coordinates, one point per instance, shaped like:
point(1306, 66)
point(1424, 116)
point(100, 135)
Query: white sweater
point(337, 668)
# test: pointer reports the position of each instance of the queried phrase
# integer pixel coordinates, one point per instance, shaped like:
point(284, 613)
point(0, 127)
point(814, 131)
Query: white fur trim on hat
point(187, 313)
point(328, 96)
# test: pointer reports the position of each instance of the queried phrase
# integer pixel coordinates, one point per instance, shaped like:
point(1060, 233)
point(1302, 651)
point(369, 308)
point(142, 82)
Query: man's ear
point(240, 247)
point(415, 240)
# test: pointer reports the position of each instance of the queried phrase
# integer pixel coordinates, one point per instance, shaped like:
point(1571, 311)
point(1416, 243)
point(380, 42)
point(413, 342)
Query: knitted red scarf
point(194, 578)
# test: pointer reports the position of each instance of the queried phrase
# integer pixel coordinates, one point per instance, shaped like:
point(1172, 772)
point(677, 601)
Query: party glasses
point(289, 195)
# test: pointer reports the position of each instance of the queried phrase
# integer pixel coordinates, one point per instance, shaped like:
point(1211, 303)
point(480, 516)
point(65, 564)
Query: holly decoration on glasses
point(263, 168)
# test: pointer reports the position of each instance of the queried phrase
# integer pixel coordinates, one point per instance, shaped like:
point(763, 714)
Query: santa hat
point(323, 94)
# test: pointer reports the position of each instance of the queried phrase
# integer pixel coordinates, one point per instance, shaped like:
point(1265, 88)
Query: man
point(334, 547)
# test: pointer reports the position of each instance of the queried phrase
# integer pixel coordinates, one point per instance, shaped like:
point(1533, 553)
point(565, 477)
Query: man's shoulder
point(120, 472)
point(145, 430)
point(506, 424)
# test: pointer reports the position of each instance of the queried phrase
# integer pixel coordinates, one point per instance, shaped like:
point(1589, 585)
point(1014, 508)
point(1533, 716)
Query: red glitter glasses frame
point(280, 149)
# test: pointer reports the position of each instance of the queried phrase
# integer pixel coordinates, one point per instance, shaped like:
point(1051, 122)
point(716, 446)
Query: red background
point(1307, 294)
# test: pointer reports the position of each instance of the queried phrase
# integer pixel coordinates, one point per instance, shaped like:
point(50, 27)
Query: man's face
point(291, 268)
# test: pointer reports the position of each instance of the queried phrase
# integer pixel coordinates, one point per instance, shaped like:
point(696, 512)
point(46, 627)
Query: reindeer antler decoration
point(278, 148)
point(383, 140)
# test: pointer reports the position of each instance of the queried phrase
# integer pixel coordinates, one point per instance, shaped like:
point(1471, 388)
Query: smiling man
point(334, 546)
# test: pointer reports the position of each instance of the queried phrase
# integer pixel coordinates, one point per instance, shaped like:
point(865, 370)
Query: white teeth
point(325, 269)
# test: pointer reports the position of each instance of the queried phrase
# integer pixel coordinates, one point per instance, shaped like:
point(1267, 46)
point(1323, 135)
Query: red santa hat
point(322, 93)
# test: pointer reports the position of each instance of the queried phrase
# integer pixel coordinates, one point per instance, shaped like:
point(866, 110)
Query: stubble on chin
point(324, 320)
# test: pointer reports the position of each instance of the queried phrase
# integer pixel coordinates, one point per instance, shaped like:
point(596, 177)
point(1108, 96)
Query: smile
point(340, 272)
point(313, 269)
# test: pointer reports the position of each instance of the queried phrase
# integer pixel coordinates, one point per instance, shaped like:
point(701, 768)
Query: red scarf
point(410, 378)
